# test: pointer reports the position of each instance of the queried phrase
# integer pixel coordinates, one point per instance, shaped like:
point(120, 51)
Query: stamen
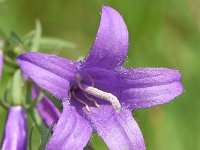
point(104, 95)
point(91, 99)
point(79, 79)
point(90, 77)
point(70, 95)
point(98, 93)
point(81, 101)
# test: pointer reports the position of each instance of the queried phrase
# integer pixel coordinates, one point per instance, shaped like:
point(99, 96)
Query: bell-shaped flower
point(15, 132)
point(47, 110)
point(98, 93)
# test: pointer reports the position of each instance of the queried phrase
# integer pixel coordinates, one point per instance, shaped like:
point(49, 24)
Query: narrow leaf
point(47, 43)
point(45, 138)
point(30, 136)
point(16, 89)
point(37, 37)
point(38, 121)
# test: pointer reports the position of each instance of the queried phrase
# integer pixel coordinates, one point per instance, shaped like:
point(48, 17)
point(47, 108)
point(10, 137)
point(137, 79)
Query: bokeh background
point(163, 33)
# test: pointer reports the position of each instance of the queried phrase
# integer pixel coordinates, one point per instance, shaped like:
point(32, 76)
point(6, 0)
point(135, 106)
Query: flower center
point(92, 91)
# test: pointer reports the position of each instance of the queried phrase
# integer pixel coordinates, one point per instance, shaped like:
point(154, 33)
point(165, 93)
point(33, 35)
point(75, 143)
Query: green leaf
point(17, 88)
point(1, 44)
point(47, 43)
point(38, 121)
point(53, 99)
point(7, 96)
point(34, 102)
point(10, 62)
point(89, 147)
point(15, 44)
point(37, 37)
point(30, 136)
point(15, 39)
point(45, 138)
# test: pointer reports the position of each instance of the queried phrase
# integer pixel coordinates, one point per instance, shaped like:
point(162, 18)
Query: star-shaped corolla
point(98, 93)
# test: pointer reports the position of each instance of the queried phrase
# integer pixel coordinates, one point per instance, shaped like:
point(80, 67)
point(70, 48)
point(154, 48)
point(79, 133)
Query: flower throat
point(91, 90)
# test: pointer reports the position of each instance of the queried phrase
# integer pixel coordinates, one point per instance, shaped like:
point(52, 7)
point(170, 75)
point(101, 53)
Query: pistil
point(104, 95)
point(91, 90)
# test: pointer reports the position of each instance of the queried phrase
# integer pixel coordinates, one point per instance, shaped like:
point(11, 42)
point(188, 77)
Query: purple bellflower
point(15, 132)
point(47, 110)
point(98, 93)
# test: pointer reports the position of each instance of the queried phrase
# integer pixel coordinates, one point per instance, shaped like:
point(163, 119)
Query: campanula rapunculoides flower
point(47, 110)
point(98, 93)
point(15, 132)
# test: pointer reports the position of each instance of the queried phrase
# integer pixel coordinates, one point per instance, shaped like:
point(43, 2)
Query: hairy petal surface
point(50, 72)
point(71, 132)
point(147, 87)
point(47, 110)
point(118, 130)
point(111, 44)
point(15, 132)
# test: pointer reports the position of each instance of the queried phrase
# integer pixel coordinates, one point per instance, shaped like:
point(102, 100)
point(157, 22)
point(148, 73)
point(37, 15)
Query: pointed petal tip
point(180, 89)
point(50, 72)
point(147, 87)
point(118, 130)
point(110, 47)
point(108, 8)
point(104, 7)
point(24, 56)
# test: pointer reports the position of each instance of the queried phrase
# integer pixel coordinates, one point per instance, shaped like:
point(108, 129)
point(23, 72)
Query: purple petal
point(102, 79)
point(111, 44)
point(118, 130)
point(147, 87)
point(47, 110)
point(1, 62)
point(50, 72)
point(15, 132)
point(71, 132)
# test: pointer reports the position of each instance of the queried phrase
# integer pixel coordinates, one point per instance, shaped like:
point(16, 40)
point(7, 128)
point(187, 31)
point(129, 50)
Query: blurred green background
point(163, 33)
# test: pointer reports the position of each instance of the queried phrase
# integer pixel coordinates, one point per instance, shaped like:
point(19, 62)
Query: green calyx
point(17, 89)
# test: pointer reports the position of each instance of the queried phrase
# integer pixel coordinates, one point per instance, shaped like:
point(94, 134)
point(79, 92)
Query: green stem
point(10, 61)
point(89, 147)
point(38, 121)
point(4, 105)
point(35, 101)
point(30, 137)
point(45, 138)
